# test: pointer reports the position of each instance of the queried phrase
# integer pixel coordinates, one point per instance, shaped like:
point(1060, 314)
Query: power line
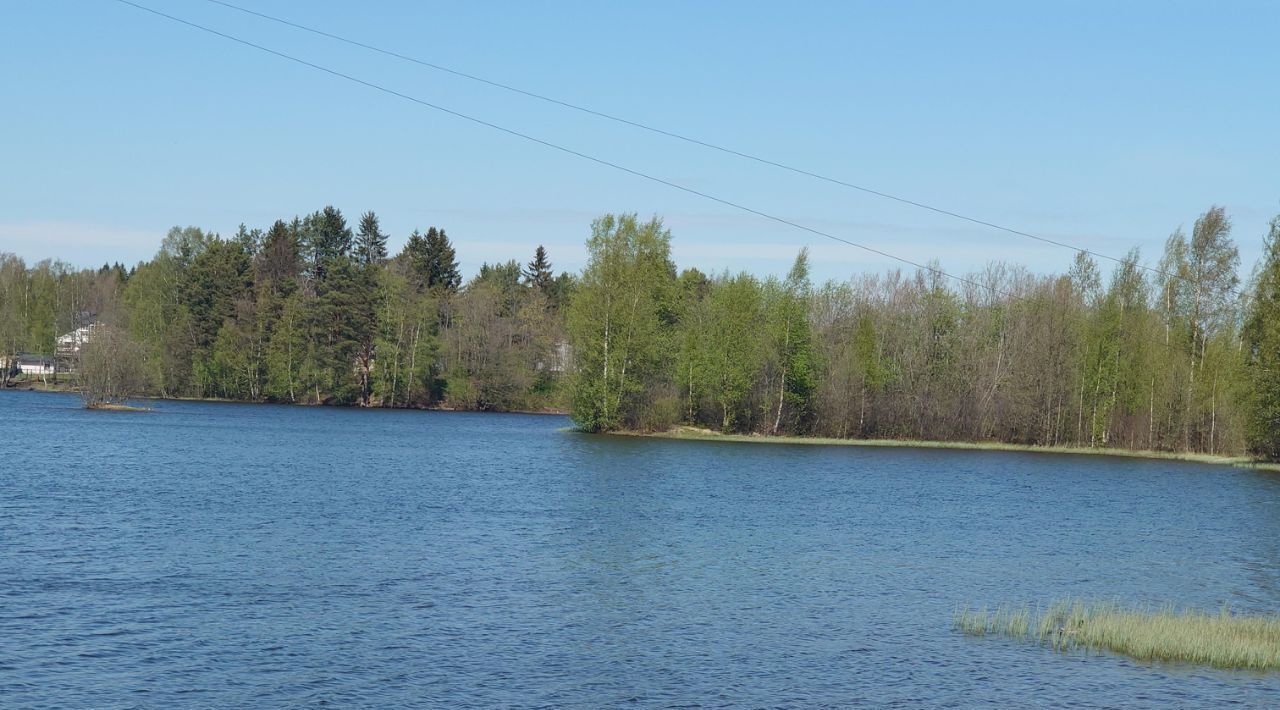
point(681, 137)
point(594, 159)
point(563, 149)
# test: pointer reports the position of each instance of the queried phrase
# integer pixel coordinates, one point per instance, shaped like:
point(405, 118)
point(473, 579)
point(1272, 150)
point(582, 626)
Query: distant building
point(70, 343)
point(38, 365)
point(560, 357)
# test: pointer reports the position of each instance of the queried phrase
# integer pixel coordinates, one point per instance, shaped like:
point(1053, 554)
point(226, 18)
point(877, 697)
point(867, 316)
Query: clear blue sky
point(1100, 123)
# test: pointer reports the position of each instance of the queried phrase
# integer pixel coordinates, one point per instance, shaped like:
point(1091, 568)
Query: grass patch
point(1221, 640)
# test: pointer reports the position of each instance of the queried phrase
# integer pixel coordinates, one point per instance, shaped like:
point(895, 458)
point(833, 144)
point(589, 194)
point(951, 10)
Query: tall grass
point(1222, 640)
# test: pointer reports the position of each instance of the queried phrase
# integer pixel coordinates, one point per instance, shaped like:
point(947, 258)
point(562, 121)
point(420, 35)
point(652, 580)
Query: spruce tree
point(416, 256)
point(278, 263)
point(371, 243)
point(538, 274)
point(432, 261)
point(327, 237)
point(441, 262)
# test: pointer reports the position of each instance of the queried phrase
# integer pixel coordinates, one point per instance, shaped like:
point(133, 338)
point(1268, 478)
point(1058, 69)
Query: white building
point(70, 343)
point(559, 358)
point(38, 365)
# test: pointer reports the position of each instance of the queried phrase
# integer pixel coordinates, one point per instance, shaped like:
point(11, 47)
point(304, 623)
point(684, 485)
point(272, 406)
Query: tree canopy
point(1177, 357)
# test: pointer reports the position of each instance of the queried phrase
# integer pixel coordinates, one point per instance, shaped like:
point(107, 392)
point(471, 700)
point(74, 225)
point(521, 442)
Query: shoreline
point(40, 388)
point(686, 433)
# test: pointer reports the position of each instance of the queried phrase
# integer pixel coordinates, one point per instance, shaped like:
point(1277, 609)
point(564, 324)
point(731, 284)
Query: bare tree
point(110, 368)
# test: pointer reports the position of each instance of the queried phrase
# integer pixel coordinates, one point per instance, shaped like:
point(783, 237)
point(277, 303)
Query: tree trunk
point(782, 386)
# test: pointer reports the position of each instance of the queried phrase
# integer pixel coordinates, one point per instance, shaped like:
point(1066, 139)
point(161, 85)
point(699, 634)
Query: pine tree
point(432, 261)
point(371, 243)
point(442, 262)
point(342, 327)
point(538, 274)
point(278, 264)
point(504, 278)
point(327, 237)
point(414, 257)
point(1262, 354)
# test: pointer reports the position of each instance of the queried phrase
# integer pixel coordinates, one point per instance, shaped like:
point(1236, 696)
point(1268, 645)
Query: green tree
point(371, 243)
point(217, 277)
point(342, 331)
point(733, 345)
point(327, 237)
point(619, 321)
point(14, 311)
point(443, 262)
point(505, 279)
point(787, 321)
point(159, 321)
point(694, 288)
point(1114, 376)
point(538, 273)
point(278, 263)
point(286, 350)
point(1262, 354)
point(432, 261)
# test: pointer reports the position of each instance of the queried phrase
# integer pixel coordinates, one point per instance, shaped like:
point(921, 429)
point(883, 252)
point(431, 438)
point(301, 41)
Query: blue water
point(214, 555)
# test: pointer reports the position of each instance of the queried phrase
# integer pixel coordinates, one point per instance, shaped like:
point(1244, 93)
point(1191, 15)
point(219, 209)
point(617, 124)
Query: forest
point(1182, 354)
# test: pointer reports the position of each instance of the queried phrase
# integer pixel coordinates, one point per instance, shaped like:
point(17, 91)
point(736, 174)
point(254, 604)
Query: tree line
point(1175, 357)
point(308, 311)
point(1181, 355)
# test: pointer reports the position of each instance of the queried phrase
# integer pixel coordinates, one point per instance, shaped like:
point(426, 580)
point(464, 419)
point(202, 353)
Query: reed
point(1222, 639)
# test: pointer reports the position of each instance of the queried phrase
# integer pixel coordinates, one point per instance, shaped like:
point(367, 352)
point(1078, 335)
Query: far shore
point(687, 433)
point(66, 388)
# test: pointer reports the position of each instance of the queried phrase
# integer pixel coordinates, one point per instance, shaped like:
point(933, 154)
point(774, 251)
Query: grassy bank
point(1222, 640)
point(695, 434)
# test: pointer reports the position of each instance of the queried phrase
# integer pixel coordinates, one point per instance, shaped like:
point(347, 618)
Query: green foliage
point(371, 243)
point(341, 326)
point(1262, 354)
point(538, 274)
point(733, 346)
point(278, 264)
point(505, 280)
point(217, 277)
point(432, 261)
point(786, 317)
point(285, 351)
point(306, 312)
point(327, 238)
point(620, 321)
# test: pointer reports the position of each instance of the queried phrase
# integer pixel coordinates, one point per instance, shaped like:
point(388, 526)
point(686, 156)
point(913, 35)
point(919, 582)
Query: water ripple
point(226, 555)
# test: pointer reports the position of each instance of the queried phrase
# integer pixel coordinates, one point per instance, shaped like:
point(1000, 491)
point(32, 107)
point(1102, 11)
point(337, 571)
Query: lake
point(222, 555)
